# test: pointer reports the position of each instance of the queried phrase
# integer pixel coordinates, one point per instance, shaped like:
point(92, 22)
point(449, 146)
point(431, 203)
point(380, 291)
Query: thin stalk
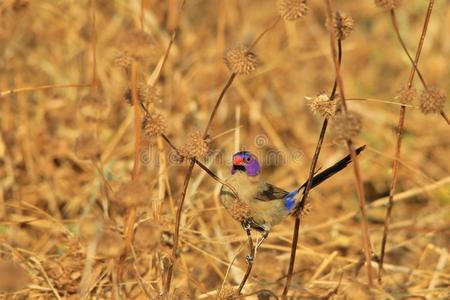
point(308, 186)
point(351, 149)
point(249, 263)
point(94, 46)
point(400, 126)
point(43, 87)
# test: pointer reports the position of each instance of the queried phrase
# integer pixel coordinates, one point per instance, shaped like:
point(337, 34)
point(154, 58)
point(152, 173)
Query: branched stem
point(351, 149)
point(400, 126)
point(308, 186)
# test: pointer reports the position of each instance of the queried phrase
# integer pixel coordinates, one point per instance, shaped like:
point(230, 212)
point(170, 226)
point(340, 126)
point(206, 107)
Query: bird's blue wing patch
point(289, 200)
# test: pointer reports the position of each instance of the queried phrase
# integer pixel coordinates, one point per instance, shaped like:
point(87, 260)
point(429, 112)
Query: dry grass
point(88, 200)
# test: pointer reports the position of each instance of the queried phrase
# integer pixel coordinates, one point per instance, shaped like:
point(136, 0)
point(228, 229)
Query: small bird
point(260, 205)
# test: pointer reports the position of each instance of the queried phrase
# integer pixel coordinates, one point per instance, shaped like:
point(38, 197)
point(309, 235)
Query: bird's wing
point(269, 192)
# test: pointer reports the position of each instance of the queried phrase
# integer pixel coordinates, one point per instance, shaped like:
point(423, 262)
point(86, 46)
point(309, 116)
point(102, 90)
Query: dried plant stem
point(356, 169)
point(94, 46)
point(400, 126)
point(141, 16)
point(131, 214)
point(176, 237)
point(43, 87)
point(249, 263)
point(264, 32)
point(308, 186)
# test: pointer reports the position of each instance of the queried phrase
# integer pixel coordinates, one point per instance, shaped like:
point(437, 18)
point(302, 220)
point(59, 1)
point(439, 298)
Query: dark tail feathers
point(327, 173)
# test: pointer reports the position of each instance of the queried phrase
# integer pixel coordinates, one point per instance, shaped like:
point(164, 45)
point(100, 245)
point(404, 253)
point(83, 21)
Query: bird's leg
point(264, 235)
point(247, 225)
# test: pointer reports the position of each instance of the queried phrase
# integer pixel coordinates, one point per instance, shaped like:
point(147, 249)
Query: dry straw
point(432, 100)
point(292, 10)
point(240, 60)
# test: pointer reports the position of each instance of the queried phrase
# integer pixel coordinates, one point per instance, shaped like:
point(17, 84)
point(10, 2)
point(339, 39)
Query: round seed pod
point(406, 95)
point(195, 146)
point(432, 101)
point(292, 10)
point(227, 292)
point(322, 105)
point(241, 60)
point(341, 25)
point(154, 125)
point(147, 235)
point(110, 244)
point(347, 126)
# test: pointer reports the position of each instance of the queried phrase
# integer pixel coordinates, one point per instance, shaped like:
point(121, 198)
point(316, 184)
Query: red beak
point(238, 160)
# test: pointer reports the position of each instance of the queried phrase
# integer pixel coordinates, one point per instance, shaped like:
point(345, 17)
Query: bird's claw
point(249, 259)
point(247, 224)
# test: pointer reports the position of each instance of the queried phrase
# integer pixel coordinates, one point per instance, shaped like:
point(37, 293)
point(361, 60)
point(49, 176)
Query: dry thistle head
point(122, 59)
point(93, 106)
point(110, 244)
point(341, 25)
point(239, 210)
point(148, 235)
point(388, 4)
point(147, 94)
point(227, 292)
point(195, 147)
point(406, 95)
point(154, 125)
point(132, 193)
point(241, 60)
point(322, 105)
point(432, 101)
point(87, 147)
point(291, 10)
point(347, 125)
point(12, 277)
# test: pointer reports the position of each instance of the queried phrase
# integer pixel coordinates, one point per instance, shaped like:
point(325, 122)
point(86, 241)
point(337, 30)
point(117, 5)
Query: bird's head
point(245, 162)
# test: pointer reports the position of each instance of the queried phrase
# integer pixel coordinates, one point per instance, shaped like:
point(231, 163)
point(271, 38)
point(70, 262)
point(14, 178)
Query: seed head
point(291, 10)
point(147, 94)
point(123, 60)
point(227, 292)
point(241, 60)
point(432, 101)
point(154, 125)
point(132, 193)
point(195, 147)
point(347, 126)
point(12, 277)
point(341, 25)
point(239, 210)
point(87, 147)
point(322, 105)
point(388, 4)
point(94, 107)
point(406, 95)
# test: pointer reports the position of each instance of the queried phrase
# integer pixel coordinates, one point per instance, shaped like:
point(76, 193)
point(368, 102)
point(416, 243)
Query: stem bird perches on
point(355, 160)
point(308, 186)
point(400, 126)
point(169, 274)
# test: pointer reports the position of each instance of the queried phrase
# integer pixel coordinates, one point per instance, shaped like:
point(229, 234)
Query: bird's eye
point(248, 158)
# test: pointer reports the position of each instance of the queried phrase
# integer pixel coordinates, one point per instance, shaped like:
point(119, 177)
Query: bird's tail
point(325, 174)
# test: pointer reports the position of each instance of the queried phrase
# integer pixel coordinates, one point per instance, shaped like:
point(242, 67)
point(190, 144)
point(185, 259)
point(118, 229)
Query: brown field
point(96, 95)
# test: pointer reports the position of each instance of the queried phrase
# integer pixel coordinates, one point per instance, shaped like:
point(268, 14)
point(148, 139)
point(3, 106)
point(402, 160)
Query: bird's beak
point(238, 160)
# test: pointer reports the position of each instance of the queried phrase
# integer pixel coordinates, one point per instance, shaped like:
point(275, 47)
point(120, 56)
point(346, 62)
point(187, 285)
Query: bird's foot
point(249, 259)
point(247, 224)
